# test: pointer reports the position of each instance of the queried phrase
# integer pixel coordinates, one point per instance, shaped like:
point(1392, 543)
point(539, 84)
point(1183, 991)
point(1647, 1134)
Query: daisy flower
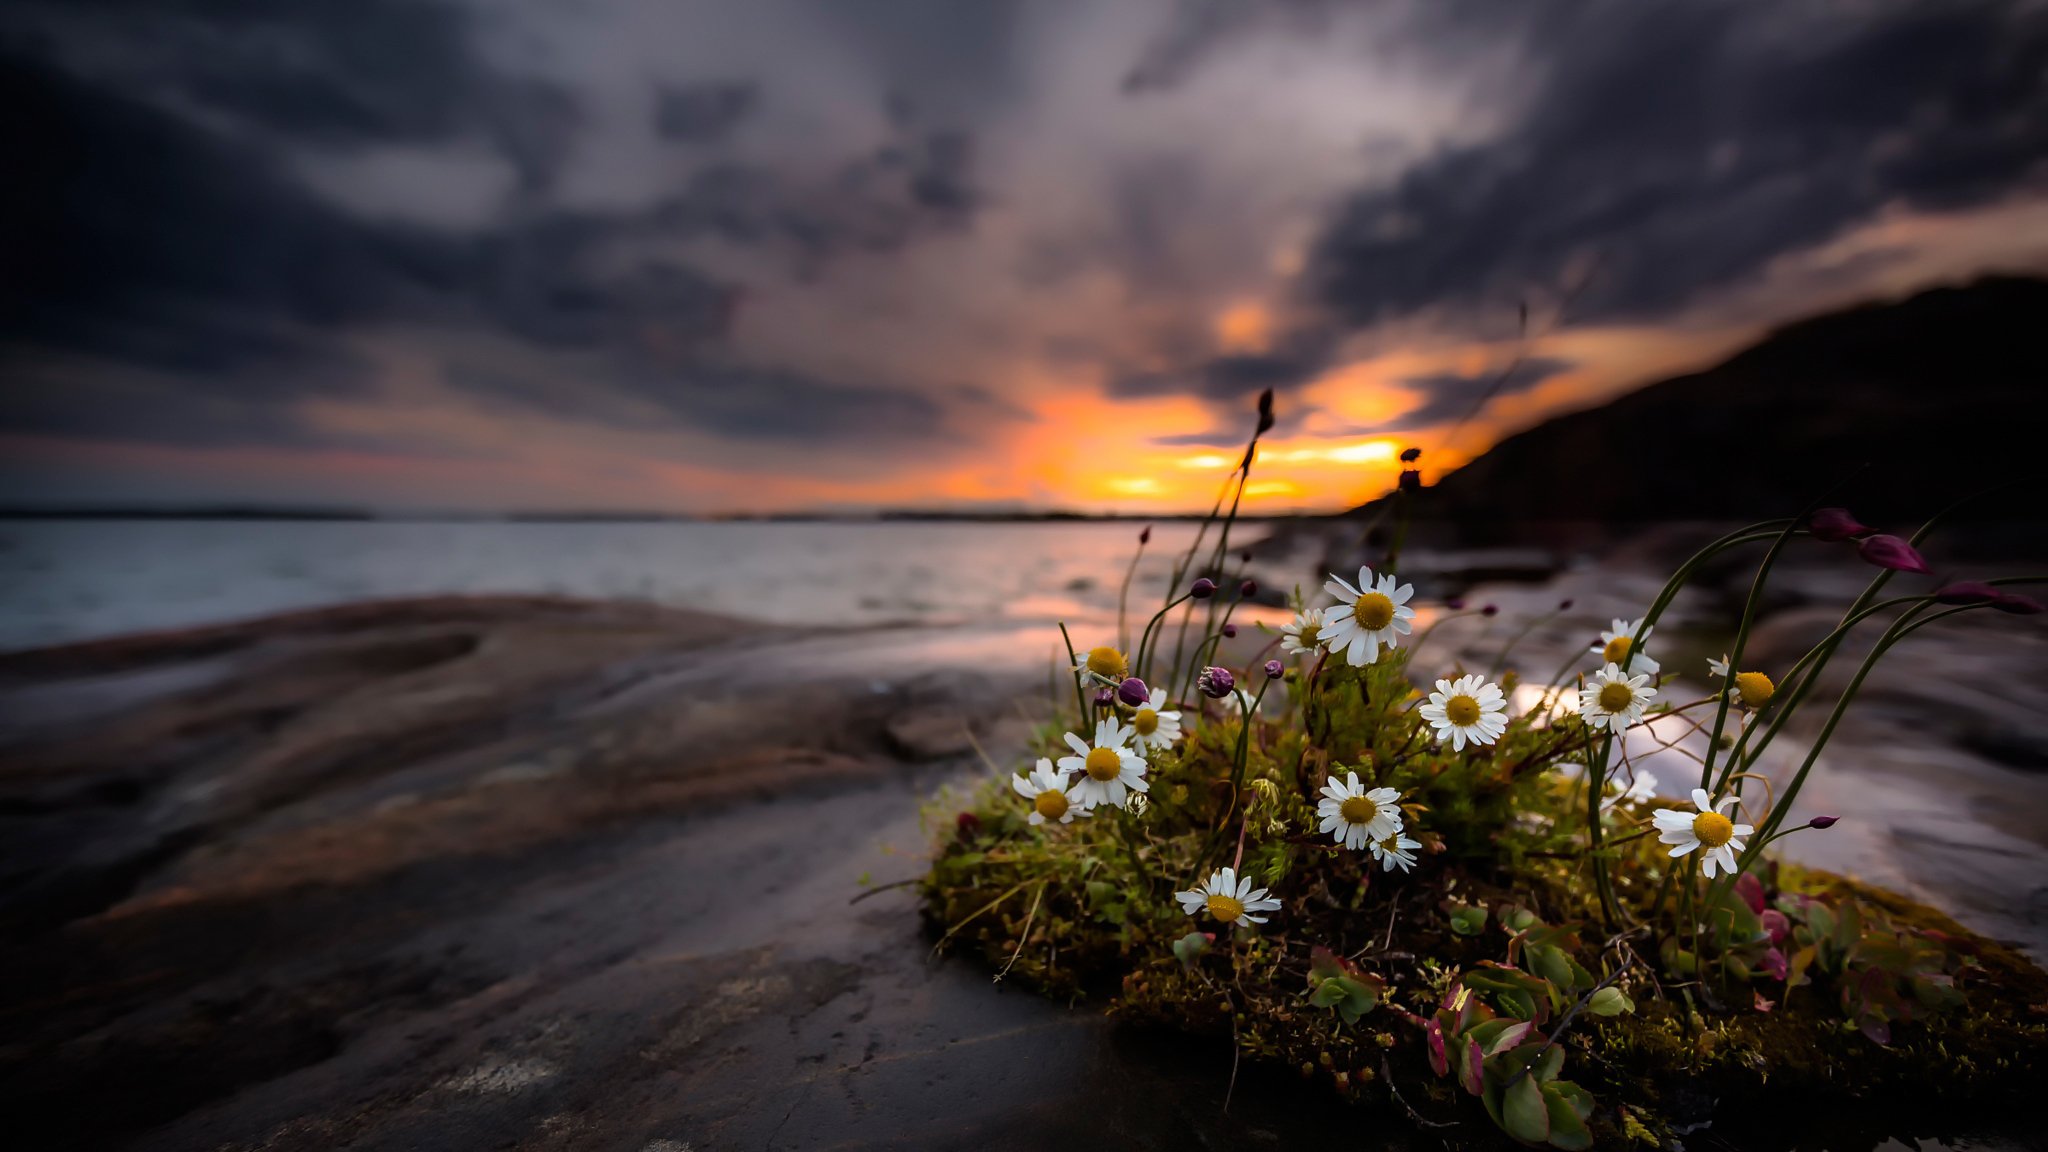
point(1614, 700)
point(1109, 770)
point(1754, 689)
point(1152, 726)
point(1718, 669)
point(1228, 898)
point(1642, 787)
point(1303, 635)
point(1374, 613)
point(1395, 849)
point(1616, 642)
point(1355, 817)
point(1105, 662)
point(1709, 829)
point(1466, 710)
point(1050, 796)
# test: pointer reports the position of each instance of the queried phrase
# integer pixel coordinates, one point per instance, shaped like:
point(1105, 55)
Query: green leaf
point(1551, 964)
point(1468, 920)
point(1189, 948)
point(1524, 1113)
point(1610, 1001)
point(1567, 1130)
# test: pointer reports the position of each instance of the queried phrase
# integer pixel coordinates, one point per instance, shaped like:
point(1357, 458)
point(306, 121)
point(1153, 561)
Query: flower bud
point(1245, 557)
point(1564, 605)
point(966, 825)
point(2017, 604)
point(1229, 631)
point(1835, 525)
point(1274, 669)
point(1145, 537)
point(1248, 589)
point(1216, 683)
point(1822, 822)
point(1134, 692)
point(1893, 553)
point(1490, 610)
point(1105, 698)
point(1410, 455)
point(1202, 589)
point(1265, 412)
point(1455, 603)
point(1967, 592)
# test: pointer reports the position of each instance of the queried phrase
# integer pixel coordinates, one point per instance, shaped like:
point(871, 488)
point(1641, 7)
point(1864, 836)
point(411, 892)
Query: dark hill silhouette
point(1898, 407)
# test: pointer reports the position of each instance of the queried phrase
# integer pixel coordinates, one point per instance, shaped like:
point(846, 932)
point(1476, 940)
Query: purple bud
point(1202, 589)
point(1216, 683)
point(1822, 821)
point(1967, 592)
point(1105, 698)
point(1229, 631)
point(1455, 603)
point(1564, 605)
point(2017, 604)
point(1893, 553)
point(1274, 669)
point(1134, 692)
point(1835, 525)
point(1490, 610)
point(1265, 412)
point(1776, 924)
point(1248, 589)
point(1773, 965)
point(1145, 537)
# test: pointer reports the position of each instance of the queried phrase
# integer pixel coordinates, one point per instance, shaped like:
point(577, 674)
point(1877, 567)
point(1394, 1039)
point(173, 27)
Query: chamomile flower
point(1374, 613)
point(1152, 726)
point(1110, 770)
point(1617, 641)
point(1642, 787)
point(1355, 816)
point(1753, 689)
point(1050, 795)
point(1708, 831)
point(1105, 662)
point(1718, 669)
point(1228, 899)
point(1395, 849)
point(1466, 710)
point(1614, 701)
point(1303, 635)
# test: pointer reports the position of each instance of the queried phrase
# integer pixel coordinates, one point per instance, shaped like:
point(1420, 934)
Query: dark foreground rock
point(531, 874)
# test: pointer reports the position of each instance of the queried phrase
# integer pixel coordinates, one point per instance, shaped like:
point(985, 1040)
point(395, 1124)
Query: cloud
point(1450, 396)
point(1684, 147)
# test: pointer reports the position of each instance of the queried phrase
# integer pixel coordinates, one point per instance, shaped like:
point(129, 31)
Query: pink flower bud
point(1490, 610)
point(1774, 965)
point(1202, 589)
point(1751, 890)
point(1229, 631)
point(1893, 553)
point(1776, 923)
point(1275, 669)
point(1133, 692)
point(1967, 592)
point(1835, 525)
point(1248, 589)
point(1145, 537)
point(2017, 604)
point(1822, 822)
point(1216, 683)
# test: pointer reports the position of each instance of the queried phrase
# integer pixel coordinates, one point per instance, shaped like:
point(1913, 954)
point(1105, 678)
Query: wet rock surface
point(531, 874)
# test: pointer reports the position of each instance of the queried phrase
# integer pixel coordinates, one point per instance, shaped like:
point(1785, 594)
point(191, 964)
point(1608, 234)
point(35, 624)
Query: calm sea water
point(73, 580)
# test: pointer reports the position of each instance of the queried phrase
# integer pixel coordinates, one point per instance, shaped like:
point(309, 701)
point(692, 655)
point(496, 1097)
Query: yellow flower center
point(1104, 764)
point(1051, 805)
point(1358, 810)
point(1713, 829)
point(1462, 711)
point(1756, 688)
point(1373, 611)
point(1617, 649)
point(1225, 908)
point(1616, 696)
point(1311, 633)
point(1106, 662)
point(1146, 721)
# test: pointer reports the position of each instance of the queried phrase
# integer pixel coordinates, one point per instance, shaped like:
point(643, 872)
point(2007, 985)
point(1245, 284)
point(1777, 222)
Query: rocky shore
point(537, 873)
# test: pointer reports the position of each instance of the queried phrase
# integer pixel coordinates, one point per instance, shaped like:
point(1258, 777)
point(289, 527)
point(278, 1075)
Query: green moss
point(1085, 912)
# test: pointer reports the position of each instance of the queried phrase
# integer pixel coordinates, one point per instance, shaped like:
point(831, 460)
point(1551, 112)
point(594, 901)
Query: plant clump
point(1468, 891)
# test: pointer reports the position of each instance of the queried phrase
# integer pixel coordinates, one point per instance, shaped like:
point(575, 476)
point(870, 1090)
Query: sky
point(776, 255)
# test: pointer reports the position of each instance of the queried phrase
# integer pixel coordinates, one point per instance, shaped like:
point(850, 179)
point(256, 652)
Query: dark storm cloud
point(1448, 396)
point(176, 248)
point(1686, 145)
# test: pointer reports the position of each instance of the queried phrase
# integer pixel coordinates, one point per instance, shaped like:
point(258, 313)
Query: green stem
point(1080, 695)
